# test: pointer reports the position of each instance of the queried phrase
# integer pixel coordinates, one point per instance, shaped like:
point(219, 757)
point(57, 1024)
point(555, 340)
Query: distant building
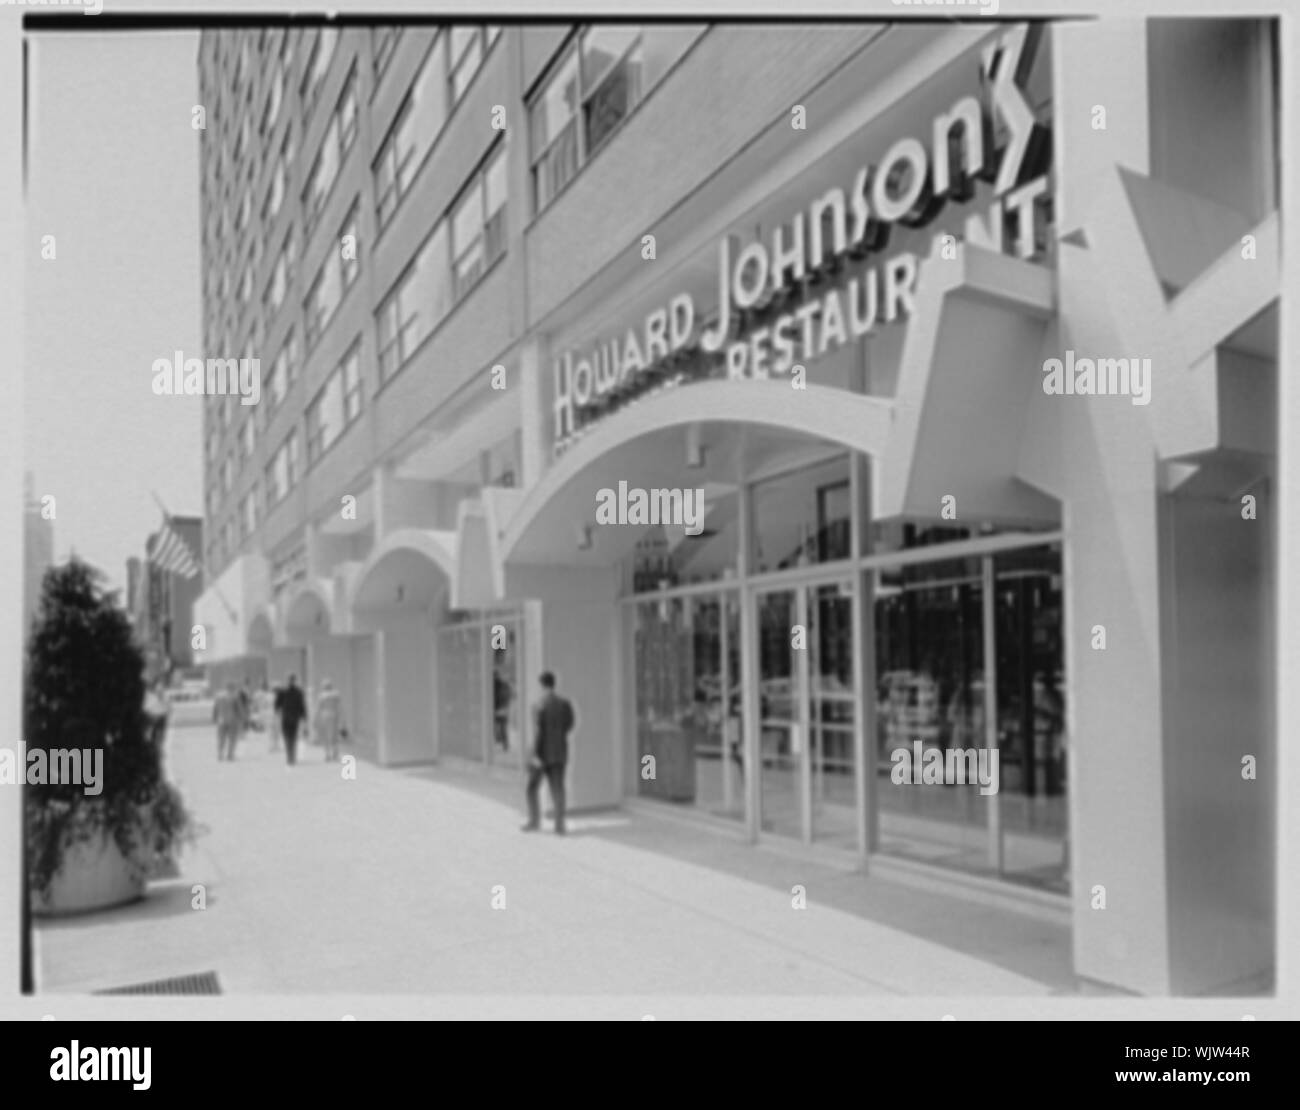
point(38, 553)
point(161, 601)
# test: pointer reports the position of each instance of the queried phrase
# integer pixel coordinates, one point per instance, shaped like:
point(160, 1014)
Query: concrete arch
point(309, 612)
point(262, 631)
point(853, 420)
point(401, 562)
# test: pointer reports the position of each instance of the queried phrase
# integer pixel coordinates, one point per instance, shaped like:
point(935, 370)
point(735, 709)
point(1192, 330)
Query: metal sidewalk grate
point(202, 982)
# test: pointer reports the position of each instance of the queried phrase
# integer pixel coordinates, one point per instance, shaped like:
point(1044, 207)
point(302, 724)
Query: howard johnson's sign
point(845, 228)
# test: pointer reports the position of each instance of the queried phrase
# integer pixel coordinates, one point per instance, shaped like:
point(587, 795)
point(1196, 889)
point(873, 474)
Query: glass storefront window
point(666, 556)
point(479, 683)
point(802, 518)
point(1031, 716)
point(688, 703)
point(460, 671)
point(930, 697)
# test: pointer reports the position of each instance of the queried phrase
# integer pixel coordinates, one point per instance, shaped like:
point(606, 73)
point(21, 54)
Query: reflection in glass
point(780, 729)
point(832, 713)
point(688, 701)
point(666, 556)
point(460, 690)
point(930, 696)
point(507, 740)
point(802, 518)
point(1031, 717)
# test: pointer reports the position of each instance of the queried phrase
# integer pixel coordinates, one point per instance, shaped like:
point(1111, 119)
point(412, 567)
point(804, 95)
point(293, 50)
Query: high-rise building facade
point(961, 340)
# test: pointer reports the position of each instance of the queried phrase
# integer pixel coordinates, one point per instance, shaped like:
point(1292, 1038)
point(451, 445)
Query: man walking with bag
point(553, 721)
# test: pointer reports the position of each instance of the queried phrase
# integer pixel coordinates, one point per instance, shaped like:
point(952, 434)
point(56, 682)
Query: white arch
point(434, 546)
point(822, 412)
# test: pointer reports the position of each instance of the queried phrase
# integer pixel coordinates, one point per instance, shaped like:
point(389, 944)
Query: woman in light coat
point(328, 710)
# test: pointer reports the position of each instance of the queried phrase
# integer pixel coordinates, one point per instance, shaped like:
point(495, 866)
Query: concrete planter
point(94, 875)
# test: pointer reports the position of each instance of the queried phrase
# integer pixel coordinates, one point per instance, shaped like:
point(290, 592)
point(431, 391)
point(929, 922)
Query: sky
point(113, 166)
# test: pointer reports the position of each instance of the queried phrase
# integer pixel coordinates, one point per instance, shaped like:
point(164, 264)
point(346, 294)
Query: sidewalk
point(384, 885)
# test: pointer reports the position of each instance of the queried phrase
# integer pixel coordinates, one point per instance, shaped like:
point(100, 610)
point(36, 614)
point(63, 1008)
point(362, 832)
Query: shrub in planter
point(84, 689)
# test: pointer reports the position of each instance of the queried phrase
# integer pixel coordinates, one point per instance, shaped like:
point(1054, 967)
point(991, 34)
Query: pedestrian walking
point(271, 699)
point(553, 721)
point(501, 695)
point(157, 708)
point(328, 720)
point(292, 709)
point(225, 712)
point(245, 709)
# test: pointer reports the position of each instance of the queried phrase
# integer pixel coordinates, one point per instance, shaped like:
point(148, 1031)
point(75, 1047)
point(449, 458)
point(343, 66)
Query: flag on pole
point(172, 555)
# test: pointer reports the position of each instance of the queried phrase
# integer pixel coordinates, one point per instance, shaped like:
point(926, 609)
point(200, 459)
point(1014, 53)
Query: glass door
point(807, 712)
point(507, 689)
point(782, 674)
point(832, 713)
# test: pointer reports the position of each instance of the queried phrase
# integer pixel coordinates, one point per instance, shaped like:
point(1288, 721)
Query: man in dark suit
point(552, 723)
point(292, 709)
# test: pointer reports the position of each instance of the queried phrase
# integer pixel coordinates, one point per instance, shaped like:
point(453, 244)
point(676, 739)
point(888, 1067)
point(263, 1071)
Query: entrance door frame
point(801, 581)
point(858, 570)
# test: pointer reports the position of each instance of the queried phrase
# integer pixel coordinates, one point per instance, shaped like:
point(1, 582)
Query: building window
point(417, 125)
point(339, 136)
point(419, 300)
point(248, 514)
point(227, 474)
point(292, 363)
point(336, 406)
point(291, 460)
point(247, 437)
point(286, 50)
point(279, 282)
point(384, 42)
point(478, 224)
point(274, 481)
point(553, 131)
point(346, 111)
point(281, 275)
point(466, 56)
point(273, 104)
point(322, 53)
point(245, 210)
point(283, 372)
point(468, 47)
point(350, 247)
point(352, 383)
point(324, 295)
point(246, 284)
point(611, 79)
point(242, 140)
point(276, 196)
point(273, 387)
point(597, 83)
point(282, 470)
